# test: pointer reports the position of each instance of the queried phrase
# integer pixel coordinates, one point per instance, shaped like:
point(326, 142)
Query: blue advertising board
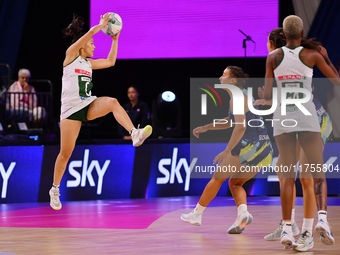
point(123, 171)
point(20, 168)
point(98, 172)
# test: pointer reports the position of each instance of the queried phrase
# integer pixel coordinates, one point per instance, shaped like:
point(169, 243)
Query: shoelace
point(56, 194)
point(302, 238)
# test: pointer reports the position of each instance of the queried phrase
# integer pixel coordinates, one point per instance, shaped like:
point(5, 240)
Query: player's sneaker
point(54, 198)
point(305, 242)
point(288, 240)
point(295, 229)
point(325, 233)
point(276, 235)
point(240, 223)
point(139, 135)
point(194, 219)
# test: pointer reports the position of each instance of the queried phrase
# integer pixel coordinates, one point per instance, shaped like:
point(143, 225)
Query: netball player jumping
point(77, 103)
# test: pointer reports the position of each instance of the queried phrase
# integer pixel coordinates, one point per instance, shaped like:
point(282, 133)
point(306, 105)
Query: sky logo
point(175, 167)
point(86, 174)
point(5, 176)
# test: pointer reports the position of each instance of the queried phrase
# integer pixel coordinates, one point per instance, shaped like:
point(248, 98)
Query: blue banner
point(20, 168)
point(98, 172)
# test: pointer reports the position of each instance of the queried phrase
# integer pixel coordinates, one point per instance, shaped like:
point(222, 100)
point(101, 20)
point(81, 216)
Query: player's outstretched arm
point(221, 124)
point(73, 51)
point(111, 58)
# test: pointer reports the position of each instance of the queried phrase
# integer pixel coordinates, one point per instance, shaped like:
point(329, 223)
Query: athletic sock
point(241, 208)
point(307, 225)
point(287, 227)
point(322, 215)
point(199, 209)
point(55, 186)
point(293, 216)
point(132, 130)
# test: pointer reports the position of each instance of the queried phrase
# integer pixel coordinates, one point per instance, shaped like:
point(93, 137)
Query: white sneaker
point(54, 198)
point(194, 219)
point(240, 223)
point(305, 242)
point(139, 135)
point(288, 240)
point(276, 235)
point(325, 233)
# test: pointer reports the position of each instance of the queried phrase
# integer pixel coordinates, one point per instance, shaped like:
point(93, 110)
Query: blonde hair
point(292, 27)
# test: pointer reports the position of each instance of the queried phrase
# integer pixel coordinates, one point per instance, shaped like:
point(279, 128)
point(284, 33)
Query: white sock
point(241, 208)
point(199, 209)
point(293, 216)
point(322, 215)
point(287, 227)
point(307, 225)
point(132, 130)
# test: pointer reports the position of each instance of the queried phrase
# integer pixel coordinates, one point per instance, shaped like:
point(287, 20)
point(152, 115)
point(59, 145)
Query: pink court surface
point(149, 226)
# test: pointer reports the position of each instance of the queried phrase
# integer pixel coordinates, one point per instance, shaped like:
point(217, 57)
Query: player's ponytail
point(237, 72)
point(276, 36)
point(75, 28)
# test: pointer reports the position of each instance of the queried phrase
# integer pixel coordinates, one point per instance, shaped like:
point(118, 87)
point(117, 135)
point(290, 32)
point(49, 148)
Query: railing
point(35, 109)
point(5, 75)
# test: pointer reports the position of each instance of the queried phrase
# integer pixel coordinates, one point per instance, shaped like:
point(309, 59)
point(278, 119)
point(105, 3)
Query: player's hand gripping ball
point(114, 26)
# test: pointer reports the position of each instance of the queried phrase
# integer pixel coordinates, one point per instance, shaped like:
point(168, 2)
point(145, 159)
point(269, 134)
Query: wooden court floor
point(149, 226)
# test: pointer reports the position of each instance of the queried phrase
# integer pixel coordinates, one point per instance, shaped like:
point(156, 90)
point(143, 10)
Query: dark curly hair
point(276, 36)
point(75, 28)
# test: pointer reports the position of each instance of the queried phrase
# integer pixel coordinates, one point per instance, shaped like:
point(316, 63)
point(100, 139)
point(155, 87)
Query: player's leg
point(104, 105)
point(236, 187)
point(286, 144)
point(244, 218)
point(312, 146)
point(69, 131)
point(276, 235)
point(210, 190)
point(305, 241)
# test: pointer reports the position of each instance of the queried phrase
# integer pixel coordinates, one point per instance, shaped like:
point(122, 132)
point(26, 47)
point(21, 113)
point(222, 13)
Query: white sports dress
point(76, 87)
point(292, 72)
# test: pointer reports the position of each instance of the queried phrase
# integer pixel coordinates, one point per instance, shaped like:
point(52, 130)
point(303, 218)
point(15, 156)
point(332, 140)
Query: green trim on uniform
point(71, 61)
point(304, 62)
point(283, 54)
point(80, 115)
point(292, 48)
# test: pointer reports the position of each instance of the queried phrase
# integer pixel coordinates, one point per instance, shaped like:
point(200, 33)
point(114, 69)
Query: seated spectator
point(137, 110)
point(23, 106)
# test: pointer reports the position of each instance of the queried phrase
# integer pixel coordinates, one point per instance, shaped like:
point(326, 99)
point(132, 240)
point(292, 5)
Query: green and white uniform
point(293, 73)
point(76, 87)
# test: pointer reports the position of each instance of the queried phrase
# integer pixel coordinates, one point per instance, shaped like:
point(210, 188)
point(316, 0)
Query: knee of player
point(66, 154)
point(231, 183)
point(305, 182)
point(114, 101)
